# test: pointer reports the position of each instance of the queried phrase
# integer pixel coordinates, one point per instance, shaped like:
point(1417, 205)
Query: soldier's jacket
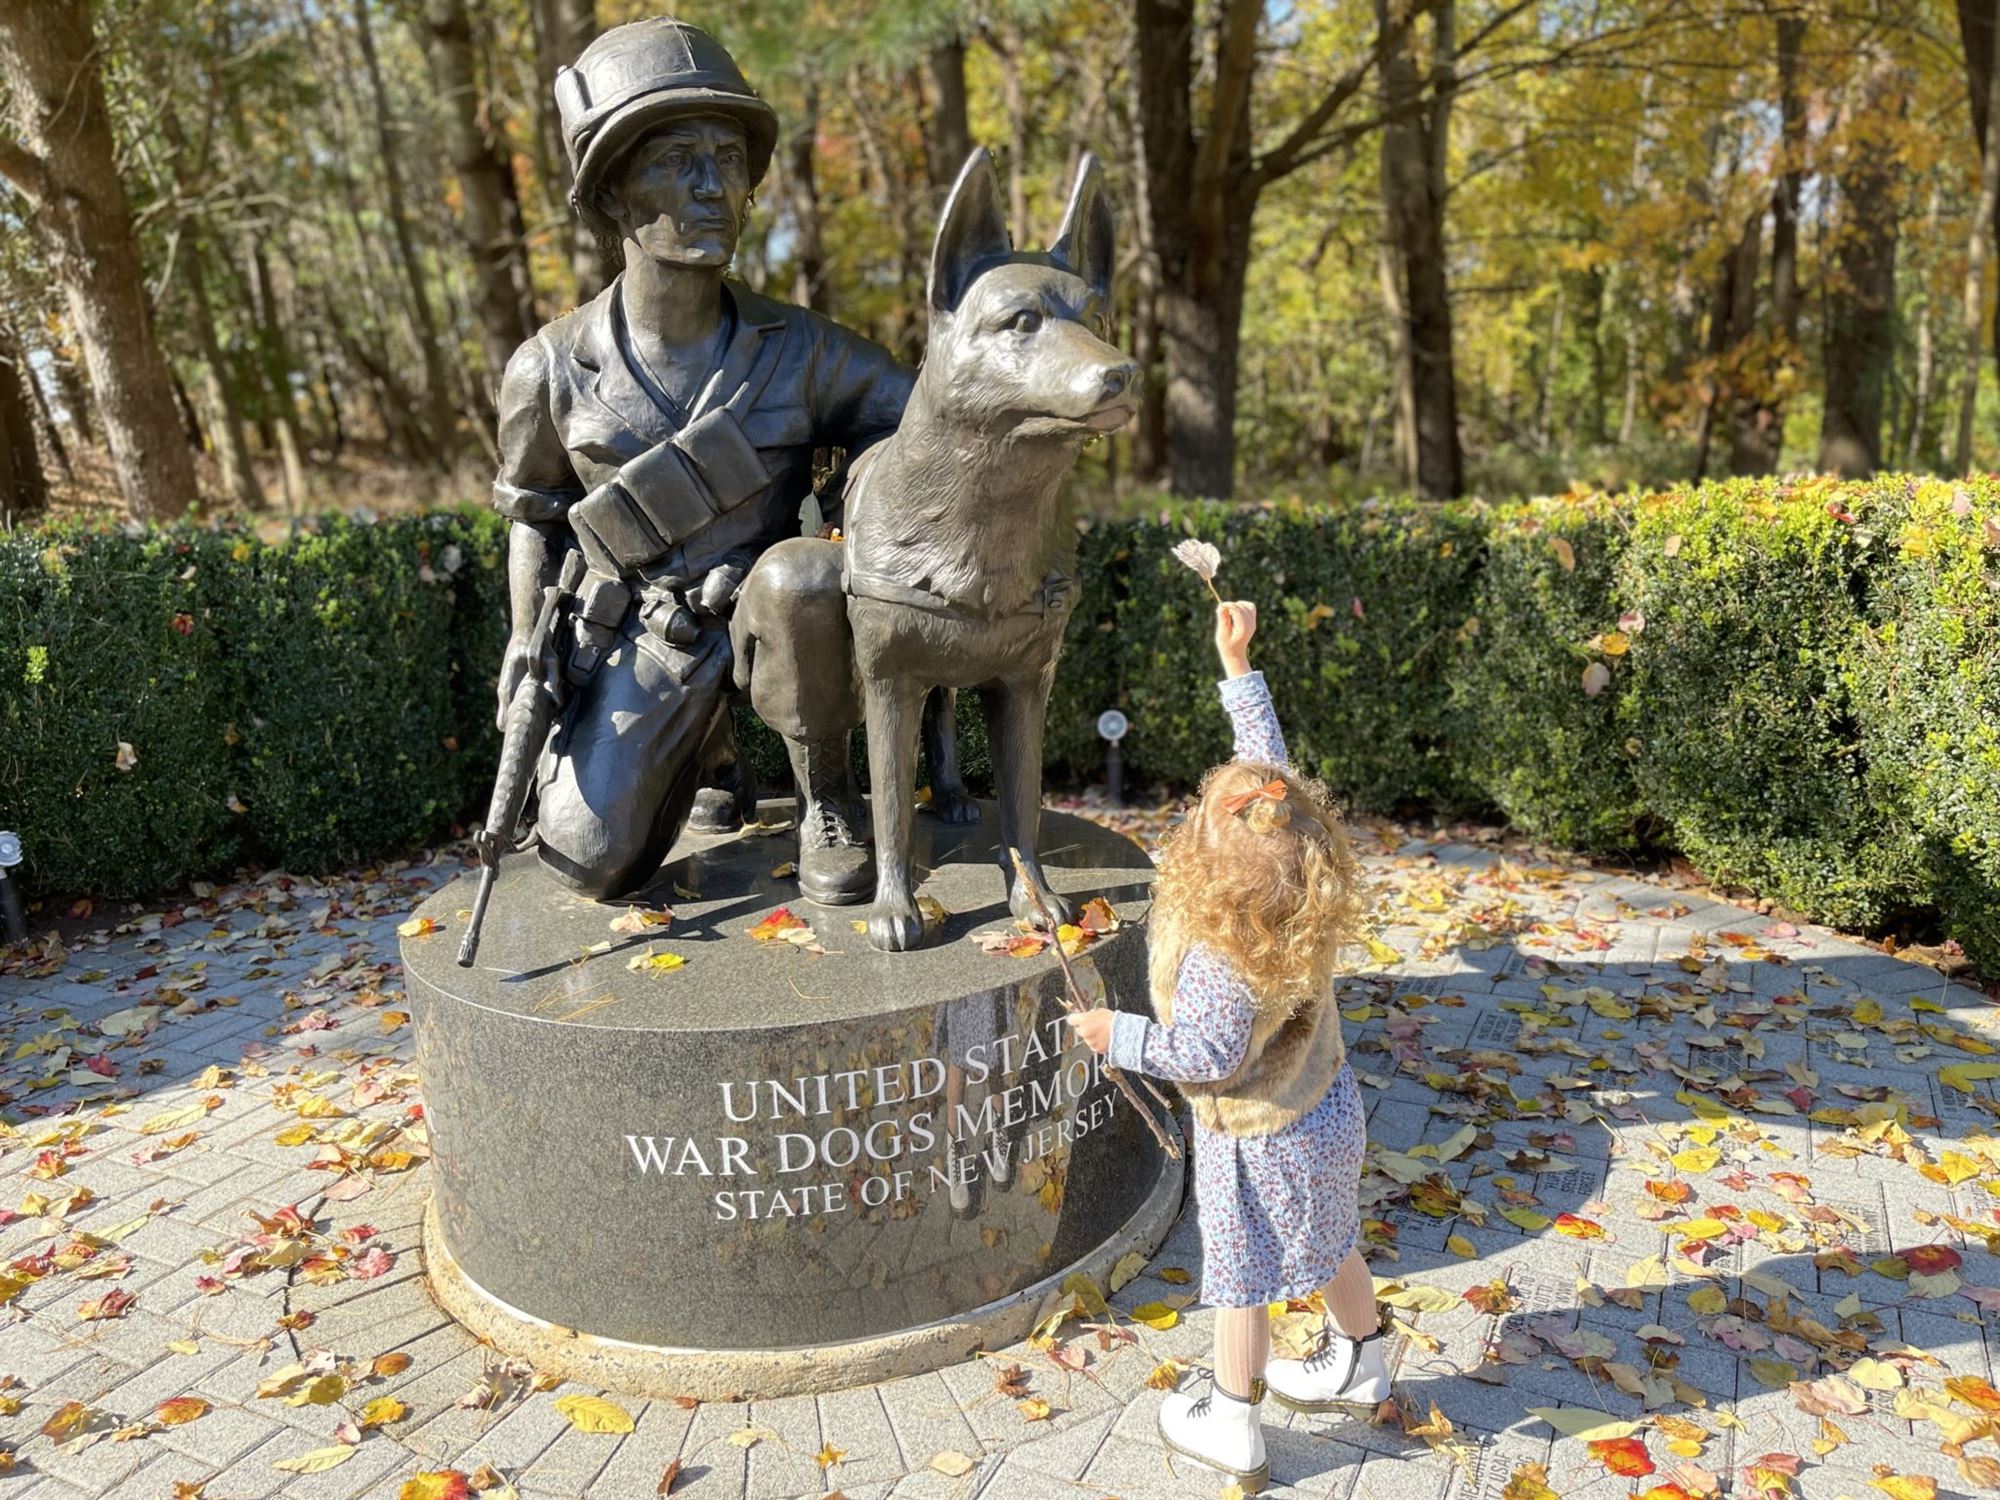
point(574, 411)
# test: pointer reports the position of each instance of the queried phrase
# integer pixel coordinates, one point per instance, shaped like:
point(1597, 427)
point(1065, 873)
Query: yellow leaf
point(176, 1119)
point(1382, 953)
point(321, 1390)
point(1129, 1266)
point(296, 1135)
point(742, 1437)
point(1034, 1409)
point(655, 963)
point(1462, 1247)
point(828, 1456)
point(418, 927)
point(318, 1461)
point(1698, 1229)
point(1906, 1486)
point(1697, 1159)
point(1875, 1374)
point(1526, 1218)
point(1565, 553)
point(1650, 1273)
point(180, 1409)
point(1417, 1298)
point(1961, 1076)
point(382, 1411)
point(1581, 1422)
point(1156, 1315)
point(1707, 1300)
point(951, 1463)
point(1165, 1376)
point(595, 1414)
point(436, 1484)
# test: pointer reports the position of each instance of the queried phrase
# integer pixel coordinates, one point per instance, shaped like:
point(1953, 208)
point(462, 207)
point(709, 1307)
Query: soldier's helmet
point(639, 75)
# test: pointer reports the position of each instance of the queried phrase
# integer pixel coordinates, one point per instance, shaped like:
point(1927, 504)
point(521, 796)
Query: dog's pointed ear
point(971, 234)
point(1084, 242)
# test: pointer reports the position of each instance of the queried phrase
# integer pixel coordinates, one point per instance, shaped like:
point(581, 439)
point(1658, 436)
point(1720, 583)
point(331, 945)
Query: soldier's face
point(681, 192)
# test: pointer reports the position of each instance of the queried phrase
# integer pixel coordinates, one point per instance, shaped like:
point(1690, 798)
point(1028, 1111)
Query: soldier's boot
point(835, 867)
point(727, 802)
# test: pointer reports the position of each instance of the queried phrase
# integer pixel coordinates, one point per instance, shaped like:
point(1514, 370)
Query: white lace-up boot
point(1219, 1431)
point(1340, 1373)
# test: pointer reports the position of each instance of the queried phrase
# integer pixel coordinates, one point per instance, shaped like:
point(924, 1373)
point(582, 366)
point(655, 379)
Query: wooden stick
point(1076, 1004)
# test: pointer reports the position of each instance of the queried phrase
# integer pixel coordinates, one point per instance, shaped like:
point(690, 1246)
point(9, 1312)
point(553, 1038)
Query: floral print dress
point(1278, 1212)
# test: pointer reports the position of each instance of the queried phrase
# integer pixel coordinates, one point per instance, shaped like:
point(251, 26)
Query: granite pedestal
point(736, 1177)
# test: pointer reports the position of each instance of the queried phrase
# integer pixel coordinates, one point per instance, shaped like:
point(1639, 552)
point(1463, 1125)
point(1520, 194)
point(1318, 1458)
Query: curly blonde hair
point(1274, 888)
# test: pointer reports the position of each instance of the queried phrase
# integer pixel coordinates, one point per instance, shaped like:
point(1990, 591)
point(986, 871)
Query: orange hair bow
point(1240, 802)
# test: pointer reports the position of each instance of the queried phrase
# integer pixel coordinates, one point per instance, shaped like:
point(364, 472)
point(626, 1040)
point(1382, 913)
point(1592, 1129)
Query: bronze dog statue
point(960, 548)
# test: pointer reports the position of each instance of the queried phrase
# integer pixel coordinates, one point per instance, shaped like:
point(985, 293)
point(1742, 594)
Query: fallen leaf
point(178, 1410)
point(1625, 1455)
point(595, 1414)
point(952, 1464)
point(1581, 1422)
point(316, 1461)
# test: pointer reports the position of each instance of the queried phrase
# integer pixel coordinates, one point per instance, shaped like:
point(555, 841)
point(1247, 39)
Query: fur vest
point(1290, 1063)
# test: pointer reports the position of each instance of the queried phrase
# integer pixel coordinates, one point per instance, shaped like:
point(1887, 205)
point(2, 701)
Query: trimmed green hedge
point(1542, 631)
point(310, 705)
point(1928, 686)
point(1741, 699)
point(1797, 684)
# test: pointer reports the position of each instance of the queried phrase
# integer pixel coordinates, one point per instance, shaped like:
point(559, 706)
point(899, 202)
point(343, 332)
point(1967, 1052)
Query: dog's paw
point(896, 926)
point(1023, 907)
point(953, 806)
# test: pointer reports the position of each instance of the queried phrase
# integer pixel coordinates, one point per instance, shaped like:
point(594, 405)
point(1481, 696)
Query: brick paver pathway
point(1572, 1077)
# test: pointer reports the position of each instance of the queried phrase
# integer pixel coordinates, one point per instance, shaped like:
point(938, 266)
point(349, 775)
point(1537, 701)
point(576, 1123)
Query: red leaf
point(1930, 1260)
point(1626, 1455)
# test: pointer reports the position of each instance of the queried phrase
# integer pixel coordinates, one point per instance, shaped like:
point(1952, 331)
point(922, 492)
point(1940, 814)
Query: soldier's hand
point(514, 666)
point(719, 589)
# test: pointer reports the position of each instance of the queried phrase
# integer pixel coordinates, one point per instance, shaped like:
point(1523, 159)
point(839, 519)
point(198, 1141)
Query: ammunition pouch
point(599, 609)
point(668, 494)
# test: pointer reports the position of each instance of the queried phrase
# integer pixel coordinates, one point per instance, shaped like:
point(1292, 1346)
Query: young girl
point(1257, 895)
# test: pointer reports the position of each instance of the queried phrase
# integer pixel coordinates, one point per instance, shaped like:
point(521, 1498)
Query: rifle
point(530, 712)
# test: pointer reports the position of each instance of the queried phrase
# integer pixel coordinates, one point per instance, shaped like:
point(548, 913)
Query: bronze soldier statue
point(665, 430)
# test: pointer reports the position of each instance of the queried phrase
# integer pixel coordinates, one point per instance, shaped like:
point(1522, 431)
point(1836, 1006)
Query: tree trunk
point(40, 402)
point(809, 284)
point(63, 160)
point(1545, 398)
point(430, 348)
point(74, 389)
point(1014, 94)
point(1979, 29)
point(1413, 186)
point(1721, 338)
point(563, 28)
point(1977, 245)
point(277, 362)
point(505, 308)
point(947, 133)
point(1861, 298)
point(1203, 325)
point(1402, 372)
point(24, 490)
point(232, 449)
point(1760, 416)
point(1751, 443)
point(1628, 416)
